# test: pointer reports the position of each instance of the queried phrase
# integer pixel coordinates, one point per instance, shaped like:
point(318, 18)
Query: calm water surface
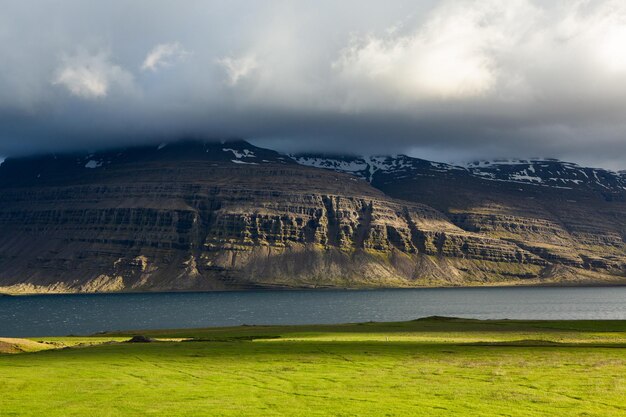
point(56, 315)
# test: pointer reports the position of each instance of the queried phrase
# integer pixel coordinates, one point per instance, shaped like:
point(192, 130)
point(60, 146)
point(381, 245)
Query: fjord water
point(57, 315)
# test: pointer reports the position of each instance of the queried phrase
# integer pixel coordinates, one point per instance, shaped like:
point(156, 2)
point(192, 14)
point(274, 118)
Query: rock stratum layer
point(221, 216)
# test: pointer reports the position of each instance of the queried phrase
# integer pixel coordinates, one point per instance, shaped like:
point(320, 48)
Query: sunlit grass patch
point(436, 367)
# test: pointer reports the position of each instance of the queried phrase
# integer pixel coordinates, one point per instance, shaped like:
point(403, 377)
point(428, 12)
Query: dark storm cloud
point(447, 80)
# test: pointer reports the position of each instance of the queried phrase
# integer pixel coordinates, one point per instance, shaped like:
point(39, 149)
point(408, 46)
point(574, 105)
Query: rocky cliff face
point(213, 216)
point(569, 216)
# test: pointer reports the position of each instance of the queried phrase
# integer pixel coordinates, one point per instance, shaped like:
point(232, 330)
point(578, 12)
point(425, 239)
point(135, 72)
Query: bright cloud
point(162, 55)
point(454, 55)
point(90, 76)
point(612, 51)
point(238, 68)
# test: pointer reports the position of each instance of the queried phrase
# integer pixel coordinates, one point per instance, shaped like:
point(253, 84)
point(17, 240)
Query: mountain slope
point(214, 216)
point(567, 215)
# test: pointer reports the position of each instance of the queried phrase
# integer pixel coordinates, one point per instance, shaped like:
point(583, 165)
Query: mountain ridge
point(549, 172)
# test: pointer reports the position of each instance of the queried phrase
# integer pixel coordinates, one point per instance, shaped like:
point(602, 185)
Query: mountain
point(197, 215)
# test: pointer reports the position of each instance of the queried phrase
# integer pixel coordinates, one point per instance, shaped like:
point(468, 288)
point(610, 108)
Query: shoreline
point(433, 319)
point(328, 288)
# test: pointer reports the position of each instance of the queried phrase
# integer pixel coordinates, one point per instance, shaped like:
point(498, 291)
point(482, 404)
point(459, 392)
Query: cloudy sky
point(445, 80)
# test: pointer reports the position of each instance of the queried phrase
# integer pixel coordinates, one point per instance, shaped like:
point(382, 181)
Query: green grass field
point(430, 367)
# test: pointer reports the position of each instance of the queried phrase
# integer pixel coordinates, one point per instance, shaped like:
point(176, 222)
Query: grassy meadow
point(428, 367)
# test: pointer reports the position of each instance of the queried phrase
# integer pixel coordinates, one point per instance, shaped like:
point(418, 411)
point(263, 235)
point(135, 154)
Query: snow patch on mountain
point(92, 163)
point(237, 161)
point(354, 166)
point(523, 176)
point(239, 154)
